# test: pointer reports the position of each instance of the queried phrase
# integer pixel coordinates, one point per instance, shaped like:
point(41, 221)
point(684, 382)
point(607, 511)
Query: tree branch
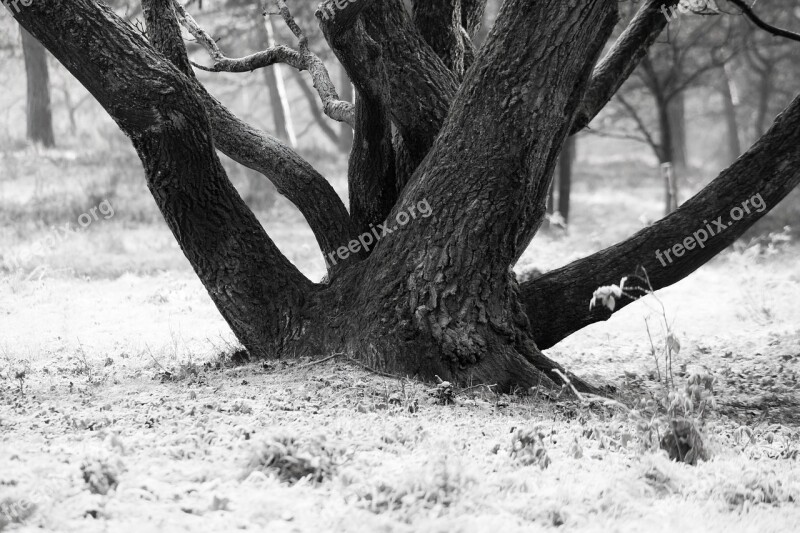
point(622, 59)
point(303, 60)
point(439, 23)
point(748, 11)
point(557, 303)
point(421, 85)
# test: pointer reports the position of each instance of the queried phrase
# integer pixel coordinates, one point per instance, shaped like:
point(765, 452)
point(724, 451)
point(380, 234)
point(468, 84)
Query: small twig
point(477, 387)
point(567, 381)
point(320, 361)
point(154, 358)
point(370, 369)
point(748, 11)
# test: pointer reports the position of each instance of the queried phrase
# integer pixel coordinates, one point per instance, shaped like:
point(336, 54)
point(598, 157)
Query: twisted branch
point(303, 59)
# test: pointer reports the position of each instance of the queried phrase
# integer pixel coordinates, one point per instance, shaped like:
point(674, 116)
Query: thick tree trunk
point(39, 112)
point(441, 288)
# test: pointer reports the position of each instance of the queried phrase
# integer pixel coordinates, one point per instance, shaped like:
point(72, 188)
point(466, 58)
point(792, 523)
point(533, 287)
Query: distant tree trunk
point(676, 109)
point(565, 177)
point(39, 112)
point(729, 100)
point(281, 112)
point(346, 132)
point(765, 89)
point(666, 153)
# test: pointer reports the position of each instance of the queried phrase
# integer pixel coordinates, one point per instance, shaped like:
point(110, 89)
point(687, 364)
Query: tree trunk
point(765, 90)
point(39, 112)
point(676, 111)
point(728, 91)
point(273, 76)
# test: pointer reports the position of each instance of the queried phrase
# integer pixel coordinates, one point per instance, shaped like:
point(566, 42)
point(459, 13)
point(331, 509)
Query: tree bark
point(440, 25)
point(39, 111)
point(445, 287)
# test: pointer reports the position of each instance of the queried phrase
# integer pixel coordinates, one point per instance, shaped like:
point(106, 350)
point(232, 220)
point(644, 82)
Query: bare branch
point(639, 123)
point(303, 60)
point(332, 106)
point(622, 59)
point(779, 32)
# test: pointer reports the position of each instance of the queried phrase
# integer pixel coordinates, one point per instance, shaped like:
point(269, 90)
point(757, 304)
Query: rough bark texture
point(439, 24)
point(39, 112)
point(444, 291)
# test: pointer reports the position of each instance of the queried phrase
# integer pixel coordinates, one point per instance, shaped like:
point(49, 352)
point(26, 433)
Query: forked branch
point(303, 59)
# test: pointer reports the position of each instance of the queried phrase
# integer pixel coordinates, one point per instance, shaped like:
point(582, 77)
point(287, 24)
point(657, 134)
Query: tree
point(693, 46)
point(434, 295)
point(39, 113)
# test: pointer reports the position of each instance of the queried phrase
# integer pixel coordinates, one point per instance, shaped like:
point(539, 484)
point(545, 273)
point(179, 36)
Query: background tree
point(473, 134)
point(39, 112)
